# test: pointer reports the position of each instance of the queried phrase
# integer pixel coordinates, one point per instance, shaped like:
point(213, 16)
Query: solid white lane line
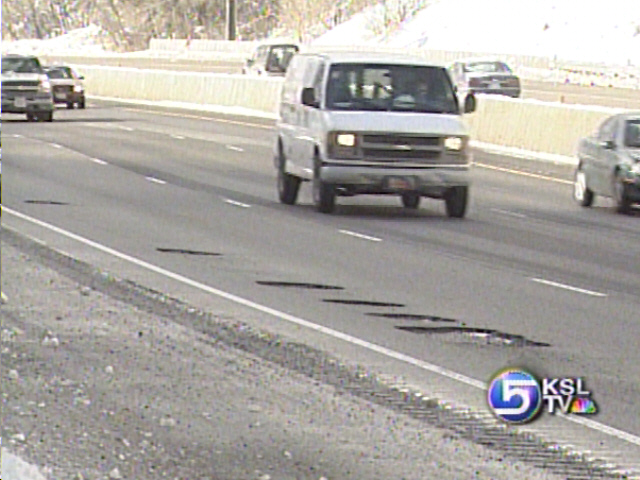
point(509, 213)
point(524, 174)
point(55, 145)
point(569, 287)
point(156, 180)
point(234, 148)
point(178, 137)
point(360, 235)
point(201, 117)
point(237, 204)
point(98, 161)
point(614, 432)
point(128, 129)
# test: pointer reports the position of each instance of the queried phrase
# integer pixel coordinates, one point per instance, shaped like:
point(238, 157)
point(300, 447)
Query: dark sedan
point(484, 76)
point(67, 85)
point(609, 163)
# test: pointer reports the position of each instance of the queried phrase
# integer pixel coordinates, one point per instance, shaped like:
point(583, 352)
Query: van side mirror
point(309, 97)
point(608, 145)
point(470, 103)
point(250, 62)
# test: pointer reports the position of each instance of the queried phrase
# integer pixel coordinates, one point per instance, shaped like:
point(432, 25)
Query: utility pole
point(231, 19)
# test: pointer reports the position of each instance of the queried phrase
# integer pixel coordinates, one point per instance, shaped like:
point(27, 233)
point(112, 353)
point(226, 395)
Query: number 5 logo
point(514, 396)
point(513, 388)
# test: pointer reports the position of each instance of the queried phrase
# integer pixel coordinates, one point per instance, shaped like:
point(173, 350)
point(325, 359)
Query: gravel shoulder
point(96, 388)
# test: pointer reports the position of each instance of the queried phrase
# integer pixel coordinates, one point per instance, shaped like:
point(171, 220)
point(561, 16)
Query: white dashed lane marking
point(156, 180)
point(508, 212)
point(569, 287)
point(360, 235)
point(235, 203)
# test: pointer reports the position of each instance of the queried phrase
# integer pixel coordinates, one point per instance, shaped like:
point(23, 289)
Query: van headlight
point(77, 88)
point(346, 140)
point(343, 145)
point(635, 168)
point(454, 143)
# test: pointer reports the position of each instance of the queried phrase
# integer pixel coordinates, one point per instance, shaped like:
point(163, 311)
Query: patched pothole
point(477, 335)
point(186, 251)
point(45, 202)
point(316, 286)
point(367, 303)
point(413, 317)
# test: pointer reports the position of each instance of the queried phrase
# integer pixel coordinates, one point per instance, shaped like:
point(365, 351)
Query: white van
point(364, 123)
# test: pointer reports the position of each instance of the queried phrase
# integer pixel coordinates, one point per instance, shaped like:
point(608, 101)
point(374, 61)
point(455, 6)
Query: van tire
point(288, 185)
point(456, 201)
point(410, 200)
point(324, 194)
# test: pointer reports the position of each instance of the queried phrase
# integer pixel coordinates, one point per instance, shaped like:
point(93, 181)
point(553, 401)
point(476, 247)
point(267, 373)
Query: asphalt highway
point(545, 91)
point(195, 194)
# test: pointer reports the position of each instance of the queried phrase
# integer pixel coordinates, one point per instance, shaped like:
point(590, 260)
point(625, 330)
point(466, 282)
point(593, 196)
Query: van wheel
point(30, 117)
point(456, 201)
point(70, 105)
point(324, 194)
point(410, 200)
point(288, 185)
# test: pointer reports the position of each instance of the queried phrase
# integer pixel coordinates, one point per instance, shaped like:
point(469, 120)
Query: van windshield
point(397, 88)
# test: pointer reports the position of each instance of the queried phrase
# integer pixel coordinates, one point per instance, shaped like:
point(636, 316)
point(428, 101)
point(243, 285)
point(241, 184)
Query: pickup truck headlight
point(45, 85)
point(343, 145)
point(77, 88)
point(455, 144)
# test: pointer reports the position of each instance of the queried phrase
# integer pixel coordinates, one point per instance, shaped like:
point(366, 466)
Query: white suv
point(364, 123)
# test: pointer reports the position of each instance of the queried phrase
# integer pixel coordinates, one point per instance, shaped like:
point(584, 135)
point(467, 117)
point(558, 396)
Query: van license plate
point(400, 183)
point(20, 102)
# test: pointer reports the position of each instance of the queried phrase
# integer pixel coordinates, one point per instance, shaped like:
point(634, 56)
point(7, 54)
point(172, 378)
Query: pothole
point(368, 303)
point(316, 286)
point(45, 202)
point(413, 317)
point(477, 335)
point(185, 251)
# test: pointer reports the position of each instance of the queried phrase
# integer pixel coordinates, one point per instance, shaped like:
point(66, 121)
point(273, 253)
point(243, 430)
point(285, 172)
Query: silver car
point(609, 163)
point(488, 76)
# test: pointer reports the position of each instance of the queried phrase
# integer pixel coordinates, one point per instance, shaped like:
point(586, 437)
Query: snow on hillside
point(579, 30)
point(575, 30)
point(91, 40)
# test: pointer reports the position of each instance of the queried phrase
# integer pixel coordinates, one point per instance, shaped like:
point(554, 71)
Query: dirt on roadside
point(95, 388)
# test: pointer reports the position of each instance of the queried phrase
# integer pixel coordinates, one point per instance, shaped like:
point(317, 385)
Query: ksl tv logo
point(517, 396)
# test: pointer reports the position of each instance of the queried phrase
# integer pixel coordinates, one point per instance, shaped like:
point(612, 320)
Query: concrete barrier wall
point(224, 46)
point(262, 94)
point(523, 124)
point(533, 125)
